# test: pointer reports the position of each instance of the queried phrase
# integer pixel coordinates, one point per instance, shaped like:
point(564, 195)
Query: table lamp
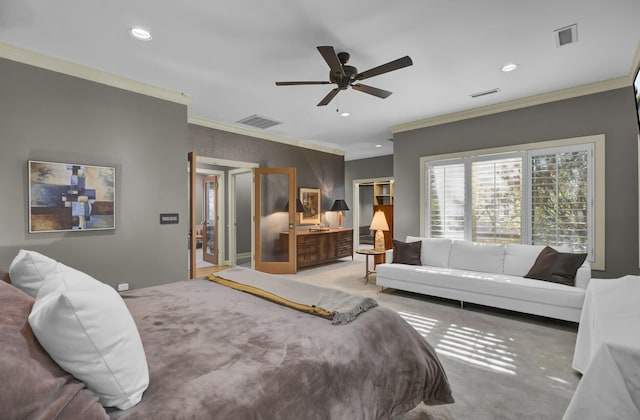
point(379, 224)
point(339, 206)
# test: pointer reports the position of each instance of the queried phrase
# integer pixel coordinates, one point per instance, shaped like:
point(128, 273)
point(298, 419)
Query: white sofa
point(486, 274)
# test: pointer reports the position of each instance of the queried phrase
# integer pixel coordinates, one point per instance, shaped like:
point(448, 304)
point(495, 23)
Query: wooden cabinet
point(318, 247)
point(382, 193)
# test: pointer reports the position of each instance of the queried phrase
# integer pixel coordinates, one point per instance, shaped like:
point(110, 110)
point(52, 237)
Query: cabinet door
point(327, 246)
point(307, 250)
point(344, 246)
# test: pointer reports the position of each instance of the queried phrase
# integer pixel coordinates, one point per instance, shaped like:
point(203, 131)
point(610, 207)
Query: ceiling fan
point(346, 76)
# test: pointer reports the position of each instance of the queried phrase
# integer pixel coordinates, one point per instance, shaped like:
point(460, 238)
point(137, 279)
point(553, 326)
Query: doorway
point(369, 194)
point(234, 197)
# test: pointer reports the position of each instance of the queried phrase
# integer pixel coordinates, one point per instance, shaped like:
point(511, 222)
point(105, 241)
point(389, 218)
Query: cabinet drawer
point(344, 252)
point(307, 240)
point(307, 259)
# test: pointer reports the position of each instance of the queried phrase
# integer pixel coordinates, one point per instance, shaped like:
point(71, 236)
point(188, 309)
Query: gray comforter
point(218, 353)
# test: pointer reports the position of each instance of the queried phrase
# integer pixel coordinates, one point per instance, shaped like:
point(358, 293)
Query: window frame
point(596, 186)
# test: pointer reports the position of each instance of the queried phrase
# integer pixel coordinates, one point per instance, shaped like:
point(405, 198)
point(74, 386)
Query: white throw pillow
point(27, 271)
point(87, 329)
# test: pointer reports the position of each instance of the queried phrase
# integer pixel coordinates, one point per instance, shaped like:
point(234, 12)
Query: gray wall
point(314, 169)
point(377, 167)
point(611, 113)
point(53, 117)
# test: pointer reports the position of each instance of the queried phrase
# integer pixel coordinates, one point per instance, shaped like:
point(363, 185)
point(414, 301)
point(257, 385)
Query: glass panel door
point(210, 223)
point(275, 220)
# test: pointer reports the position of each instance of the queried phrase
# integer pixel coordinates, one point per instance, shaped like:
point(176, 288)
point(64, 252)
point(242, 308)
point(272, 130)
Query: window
point(534, 195)
point(560, 204)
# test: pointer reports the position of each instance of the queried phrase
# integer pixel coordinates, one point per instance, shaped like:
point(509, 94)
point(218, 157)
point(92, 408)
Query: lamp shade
point(339, 205)
point(379, 222)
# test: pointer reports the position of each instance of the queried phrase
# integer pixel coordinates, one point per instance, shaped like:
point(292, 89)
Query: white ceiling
point(227, 55)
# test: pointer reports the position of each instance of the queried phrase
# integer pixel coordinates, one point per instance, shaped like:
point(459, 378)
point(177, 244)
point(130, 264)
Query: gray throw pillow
point(556, 267)
point(407, 252)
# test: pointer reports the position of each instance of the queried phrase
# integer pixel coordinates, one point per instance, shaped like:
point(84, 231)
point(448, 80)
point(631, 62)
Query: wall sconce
point(379, 224)
point(340, 206)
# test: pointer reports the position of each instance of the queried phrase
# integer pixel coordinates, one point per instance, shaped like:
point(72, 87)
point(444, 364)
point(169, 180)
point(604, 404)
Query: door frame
point(356, 205)
point(231, 205)
point(225, 204)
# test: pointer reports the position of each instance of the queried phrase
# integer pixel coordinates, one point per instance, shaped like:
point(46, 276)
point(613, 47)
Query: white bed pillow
point(87, 329)
point(27, 271)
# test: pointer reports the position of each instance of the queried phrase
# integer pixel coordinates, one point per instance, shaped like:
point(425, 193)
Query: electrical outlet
point(123, 286)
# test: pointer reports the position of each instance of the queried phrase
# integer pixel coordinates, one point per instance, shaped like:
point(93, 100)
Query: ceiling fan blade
point(390, 66)
point(329, 97)
point(302, 83)
point(330, 56)
point(380, 93)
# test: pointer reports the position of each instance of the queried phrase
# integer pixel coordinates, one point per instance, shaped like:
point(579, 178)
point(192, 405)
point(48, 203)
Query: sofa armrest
point(388, 256)
point(583, 275)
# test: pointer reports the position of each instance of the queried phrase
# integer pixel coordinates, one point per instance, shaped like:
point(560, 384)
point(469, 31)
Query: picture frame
point(71, 197)
point(310, 199)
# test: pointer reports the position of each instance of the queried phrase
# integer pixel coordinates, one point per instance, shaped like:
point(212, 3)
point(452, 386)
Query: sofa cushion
point(519, 258)
point(486, 258)
point(435, 251)
point(557, 267)
point(500, 285)
point(406, 252)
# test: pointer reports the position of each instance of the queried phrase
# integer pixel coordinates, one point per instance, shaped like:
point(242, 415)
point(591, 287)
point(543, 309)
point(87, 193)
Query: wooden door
point(275, 239)
point(210, 222)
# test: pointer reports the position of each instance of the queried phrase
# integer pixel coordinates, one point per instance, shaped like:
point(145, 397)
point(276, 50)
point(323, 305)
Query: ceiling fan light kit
point(345, 76)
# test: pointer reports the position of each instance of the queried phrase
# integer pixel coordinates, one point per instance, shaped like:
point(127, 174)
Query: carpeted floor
point(501, 365)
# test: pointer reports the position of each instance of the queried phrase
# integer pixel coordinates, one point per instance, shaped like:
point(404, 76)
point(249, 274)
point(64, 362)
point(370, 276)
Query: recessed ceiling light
point(140, 33)
point(378, 145)
point(345, 114)
point(509, 67)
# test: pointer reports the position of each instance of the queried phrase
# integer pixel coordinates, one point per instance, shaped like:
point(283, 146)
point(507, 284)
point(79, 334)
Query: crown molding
point(230, 128)
point(588, 89)
point(33, 58)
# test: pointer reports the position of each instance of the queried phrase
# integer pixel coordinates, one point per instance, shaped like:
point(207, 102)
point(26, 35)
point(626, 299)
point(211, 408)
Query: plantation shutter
point(496, 200)
point(446, 200)
point(560, 203)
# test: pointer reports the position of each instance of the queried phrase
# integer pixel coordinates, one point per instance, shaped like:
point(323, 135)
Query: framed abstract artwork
point(71, 197)
point(310, 198)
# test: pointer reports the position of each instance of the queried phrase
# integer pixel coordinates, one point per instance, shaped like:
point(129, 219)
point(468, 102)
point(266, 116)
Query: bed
point(216, 352)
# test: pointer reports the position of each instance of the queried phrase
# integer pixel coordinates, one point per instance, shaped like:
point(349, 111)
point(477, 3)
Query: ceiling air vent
point(486, 92)
point(258, 121)
point(566, 35)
